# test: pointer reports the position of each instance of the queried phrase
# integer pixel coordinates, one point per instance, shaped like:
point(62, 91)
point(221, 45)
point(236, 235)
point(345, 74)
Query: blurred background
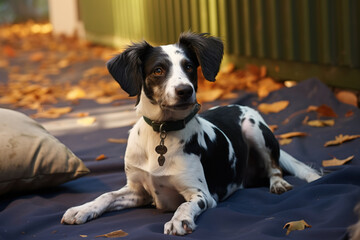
point(290, 39)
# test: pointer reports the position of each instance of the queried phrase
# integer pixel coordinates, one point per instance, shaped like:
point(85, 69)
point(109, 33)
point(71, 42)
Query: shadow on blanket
point(327, 204)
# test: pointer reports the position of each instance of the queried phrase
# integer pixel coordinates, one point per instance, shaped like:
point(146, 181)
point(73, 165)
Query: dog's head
point(165, 78)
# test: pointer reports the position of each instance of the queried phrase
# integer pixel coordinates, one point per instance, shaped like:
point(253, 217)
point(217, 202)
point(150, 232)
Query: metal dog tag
point(161, 148)
point(161, 160)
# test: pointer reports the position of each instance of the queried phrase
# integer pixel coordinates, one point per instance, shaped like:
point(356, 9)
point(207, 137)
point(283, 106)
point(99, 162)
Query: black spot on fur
point(182, 141)
point(192, 146)
point(201, 204)
point(139, 132)
point(252, 121)
point(214, 158)
point(200, 180)
point(153, 59)
point(270, 142)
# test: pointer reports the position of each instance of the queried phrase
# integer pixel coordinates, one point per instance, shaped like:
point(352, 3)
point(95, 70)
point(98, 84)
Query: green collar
point(168, 126)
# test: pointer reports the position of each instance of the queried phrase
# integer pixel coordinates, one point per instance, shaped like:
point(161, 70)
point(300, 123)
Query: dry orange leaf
point(292, 134)
point(296, 225)
point(9, 51)
point(336, 162)
point(209, 95)
point(114, 234)
point(52, 112)
point(340, 139)
point(81, 114)
point(285, 141)
point(101, 157)
point(273, 107)
point(36, 57)
point(323, 110)
point(347, 97)
point(349, 113)
point(273, 127)
point(86, 121)
point(321, 123)
point(75, 93)
point(117, 140)
point(266, 86)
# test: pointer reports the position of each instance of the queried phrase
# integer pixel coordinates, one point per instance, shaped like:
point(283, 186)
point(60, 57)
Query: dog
point(180, 160)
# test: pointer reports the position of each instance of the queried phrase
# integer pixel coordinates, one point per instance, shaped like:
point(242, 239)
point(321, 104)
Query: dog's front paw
point(279, 185)
point(78, 215)
point(179, 227)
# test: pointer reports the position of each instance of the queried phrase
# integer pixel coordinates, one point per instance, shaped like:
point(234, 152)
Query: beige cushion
point(31, 158)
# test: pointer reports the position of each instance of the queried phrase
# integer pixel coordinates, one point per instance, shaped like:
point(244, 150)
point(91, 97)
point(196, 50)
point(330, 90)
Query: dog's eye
point(189, 68)
point(159, 71)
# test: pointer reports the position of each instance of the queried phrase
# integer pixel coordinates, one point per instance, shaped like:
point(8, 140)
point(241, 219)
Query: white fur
point(177, 75)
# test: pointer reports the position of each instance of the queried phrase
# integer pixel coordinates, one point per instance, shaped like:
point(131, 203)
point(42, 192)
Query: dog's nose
point(184, 91)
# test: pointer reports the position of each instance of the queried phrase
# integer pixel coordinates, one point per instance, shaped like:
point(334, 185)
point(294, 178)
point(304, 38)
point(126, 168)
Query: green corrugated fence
point(295, 39)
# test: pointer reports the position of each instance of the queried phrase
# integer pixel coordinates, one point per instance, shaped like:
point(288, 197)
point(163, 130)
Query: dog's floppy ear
point(208, 50)
point(127, 67)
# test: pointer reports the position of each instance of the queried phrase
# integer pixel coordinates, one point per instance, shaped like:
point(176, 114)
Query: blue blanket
point(326, 204)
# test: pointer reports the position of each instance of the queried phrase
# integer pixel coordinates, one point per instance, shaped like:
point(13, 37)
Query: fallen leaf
point(347, 97)
point(9, 51)
point(52, 112)
point(80, 114)
point(321, 123)
point(104, 100)
point(84, 236)
point(75, 93)
point(273, 107)
point(115, 234)
point(323, 110)
point(341, 139)
point(285, 141)
point(349, 113)
point(86, 121)
point(296, 225)
point(291, 135)
point(209, 95)
point(306, 120)
point(117, 140)
point(273, 127)
point(101, 157)
point(267, 85)
point(336, 162)
point(36, 57)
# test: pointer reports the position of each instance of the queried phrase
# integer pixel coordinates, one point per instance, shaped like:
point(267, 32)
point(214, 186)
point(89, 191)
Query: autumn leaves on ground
point(50, 74)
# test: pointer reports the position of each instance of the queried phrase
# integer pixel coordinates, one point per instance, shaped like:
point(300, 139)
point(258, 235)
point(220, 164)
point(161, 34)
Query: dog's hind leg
point(262, 141)
point(126, 197)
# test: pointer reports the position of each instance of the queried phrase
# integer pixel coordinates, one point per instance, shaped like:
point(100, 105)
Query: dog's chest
point(163, 183)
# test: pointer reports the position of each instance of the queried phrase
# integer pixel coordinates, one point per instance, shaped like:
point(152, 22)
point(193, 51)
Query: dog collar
point(169, 126)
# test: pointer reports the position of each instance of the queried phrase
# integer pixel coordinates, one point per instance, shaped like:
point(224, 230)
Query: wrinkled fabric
point(326, 204)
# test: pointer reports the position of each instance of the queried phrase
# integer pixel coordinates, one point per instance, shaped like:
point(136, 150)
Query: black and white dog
point(177, 159)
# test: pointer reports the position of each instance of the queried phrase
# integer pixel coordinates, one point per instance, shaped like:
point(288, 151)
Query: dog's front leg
point(183, 221)
point(126, 197)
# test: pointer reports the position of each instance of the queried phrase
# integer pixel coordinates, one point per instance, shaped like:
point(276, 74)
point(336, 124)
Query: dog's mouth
point(180, 106)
